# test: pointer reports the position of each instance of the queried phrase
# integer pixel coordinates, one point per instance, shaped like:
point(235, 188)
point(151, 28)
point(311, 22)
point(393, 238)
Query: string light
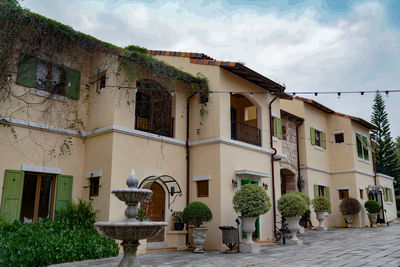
point(210, 93)
point(387, 93)
point(251, 94)
point(362, 93)
point(135, 90)
point(172, 92)
point(9, 77)
point(316, 94)
point(69, 84)
point(338, 95)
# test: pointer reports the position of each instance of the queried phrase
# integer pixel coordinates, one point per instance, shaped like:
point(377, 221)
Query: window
point(321, 191)
point(94, 186)
point(387, 194)
point(362, 147)
point(343, 193)
point(339, 138)
point(202, 188)
point(277, 127)
point(48, 76)
point(318, 138)
point(361, 194)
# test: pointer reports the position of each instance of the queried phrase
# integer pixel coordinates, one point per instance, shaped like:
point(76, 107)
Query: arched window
point(154, 108)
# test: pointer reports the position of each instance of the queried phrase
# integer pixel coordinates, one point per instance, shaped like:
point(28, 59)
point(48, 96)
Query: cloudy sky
point(306, 45)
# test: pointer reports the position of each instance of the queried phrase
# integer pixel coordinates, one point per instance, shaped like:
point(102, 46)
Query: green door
point(64, 191)
point(12, 195)
point(256, 234)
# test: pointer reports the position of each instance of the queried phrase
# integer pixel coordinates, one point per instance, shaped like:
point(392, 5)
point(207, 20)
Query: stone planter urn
point(294, 227)
point(372, 218)
point(321, 215)
point(199, 237)
point(249, 226)
point(348, 219)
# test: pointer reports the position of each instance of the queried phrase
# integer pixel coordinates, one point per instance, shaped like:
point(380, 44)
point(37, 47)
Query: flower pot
point(249, 226)
point(179, 226)
point(199, 237)
point(372, 218)
point(321, 215)
point(294, 227)
point(348, 219)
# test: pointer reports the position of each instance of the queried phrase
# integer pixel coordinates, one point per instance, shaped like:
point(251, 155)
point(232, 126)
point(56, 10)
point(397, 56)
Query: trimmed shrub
point(78, 215)
point(142, 215)
point(372, 206)
point(305, 197)
point(251, 200)
point(196, 213)
point(290, 205)
point(54, 241)
point(350, 206)
point(321, 204)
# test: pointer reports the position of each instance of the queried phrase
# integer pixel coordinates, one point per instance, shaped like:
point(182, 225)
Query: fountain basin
point(132, 195)
point(130, 230)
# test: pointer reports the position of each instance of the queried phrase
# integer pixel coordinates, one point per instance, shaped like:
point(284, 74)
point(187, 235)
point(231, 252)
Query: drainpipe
point(187, 148)
point(187, 159)
point(272, 162)
point(298, 151)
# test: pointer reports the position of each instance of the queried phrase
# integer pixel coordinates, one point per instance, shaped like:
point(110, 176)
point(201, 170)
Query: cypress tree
point(386, 156)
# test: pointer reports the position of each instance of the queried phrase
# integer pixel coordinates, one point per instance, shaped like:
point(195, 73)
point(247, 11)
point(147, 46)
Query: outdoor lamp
point(172, 190)
point(265, 186)
point(300, 183)
point(234, 183)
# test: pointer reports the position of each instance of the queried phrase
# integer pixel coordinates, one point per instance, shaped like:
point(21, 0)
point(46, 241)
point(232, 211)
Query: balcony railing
point(156, 125)
point(245, 133)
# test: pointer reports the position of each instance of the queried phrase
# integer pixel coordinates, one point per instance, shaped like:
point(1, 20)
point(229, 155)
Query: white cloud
point(359, 51)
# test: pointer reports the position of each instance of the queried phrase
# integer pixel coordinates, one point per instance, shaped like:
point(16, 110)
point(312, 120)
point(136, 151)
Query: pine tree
point(387, 159)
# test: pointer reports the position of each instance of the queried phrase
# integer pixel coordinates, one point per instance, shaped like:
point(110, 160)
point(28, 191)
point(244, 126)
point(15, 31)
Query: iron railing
point(245, 133)
point(156, 125)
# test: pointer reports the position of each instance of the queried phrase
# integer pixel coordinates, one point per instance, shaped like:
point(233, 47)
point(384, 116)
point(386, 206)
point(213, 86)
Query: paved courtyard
point(336, 247)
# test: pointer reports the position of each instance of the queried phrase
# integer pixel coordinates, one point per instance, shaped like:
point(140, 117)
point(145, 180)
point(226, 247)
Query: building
point(336, 159)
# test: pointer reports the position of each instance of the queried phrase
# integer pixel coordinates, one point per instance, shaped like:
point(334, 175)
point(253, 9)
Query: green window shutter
point(312, 136)
point(242, 182)
point(12, 195)
point(26, 70)
point(278, 127)
point(74, 77)
point(384, 194)
point(274, 123)
point(316, 192)
point(323, 137)
point(359, 145)
point(390, 195)
point(365, 146)
point(328, 195)
point(64, 191)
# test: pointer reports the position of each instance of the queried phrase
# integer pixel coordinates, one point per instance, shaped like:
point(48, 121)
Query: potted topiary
point(252, 201)
point(373, 207)
point(195, 214)
point(349, 207)
point(292, 206)
point(321, 207)
point(307, 213)
point(178, 220)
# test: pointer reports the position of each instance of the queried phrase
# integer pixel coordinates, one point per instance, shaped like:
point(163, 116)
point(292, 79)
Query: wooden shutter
point(12, 195)
point(384, 194)
point(73, 89)
point(328, 195)
point(26, 70)
point(312, 136)
point(323, 137)
point(359, 145)
point(365, 146)
point(64, 191)
point(390, 195)
point(316, 191)
point(278, 127)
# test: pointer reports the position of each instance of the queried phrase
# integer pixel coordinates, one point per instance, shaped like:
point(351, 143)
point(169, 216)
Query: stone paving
point(335, 247)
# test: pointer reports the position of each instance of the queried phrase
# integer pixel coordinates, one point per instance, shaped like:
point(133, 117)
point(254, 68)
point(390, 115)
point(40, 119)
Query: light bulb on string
point(251, 94)
point(387, 93)
point(316, 94)
point(135, 89)
point(338, 95)
point(172, 92)
point(362, 93)
point(210, 93)
point(69, 84)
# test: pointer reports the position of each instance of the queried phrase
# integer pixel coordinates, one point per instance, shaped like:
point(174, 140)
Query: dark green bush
point(77, 215)
point(50, 242)
point(372, 206)
point(196, 213)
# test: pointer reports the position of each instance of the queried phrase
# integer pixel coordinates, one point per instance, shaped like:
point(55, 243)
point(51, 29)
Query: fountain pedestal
point(131, 230)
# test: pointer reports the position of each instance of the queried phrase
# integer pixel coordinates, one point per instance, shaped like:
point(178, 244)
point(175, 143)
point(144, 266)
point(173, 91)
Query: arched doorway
point(288, 181)
point(155, 208)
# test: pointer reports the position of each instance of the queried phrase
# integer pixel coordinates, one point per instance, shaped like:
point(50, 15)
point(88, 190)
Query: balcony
point(245, 133)
point(156, 125)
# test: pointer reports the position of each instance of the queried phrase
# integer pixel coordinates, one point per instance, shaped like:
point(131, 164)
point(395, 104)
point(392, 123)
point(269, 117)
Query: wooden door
point(155, 207)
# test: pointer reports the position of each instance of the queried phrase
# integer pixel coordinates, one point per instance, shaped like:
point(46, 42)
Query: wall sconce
point(265, 186)
point(172, 191)
point(300, 183)
point(234, 183)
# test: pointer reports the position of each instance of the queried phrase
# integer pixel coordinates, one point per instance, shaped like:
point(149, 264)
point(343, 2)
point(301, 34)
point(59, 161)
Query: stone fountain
point(131, 230)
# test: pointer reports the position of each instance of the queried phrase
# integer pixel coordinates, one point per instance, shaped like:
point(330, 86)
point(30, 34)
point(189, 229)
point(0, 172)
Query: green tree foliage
point(196, 213)
point(387, 159)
